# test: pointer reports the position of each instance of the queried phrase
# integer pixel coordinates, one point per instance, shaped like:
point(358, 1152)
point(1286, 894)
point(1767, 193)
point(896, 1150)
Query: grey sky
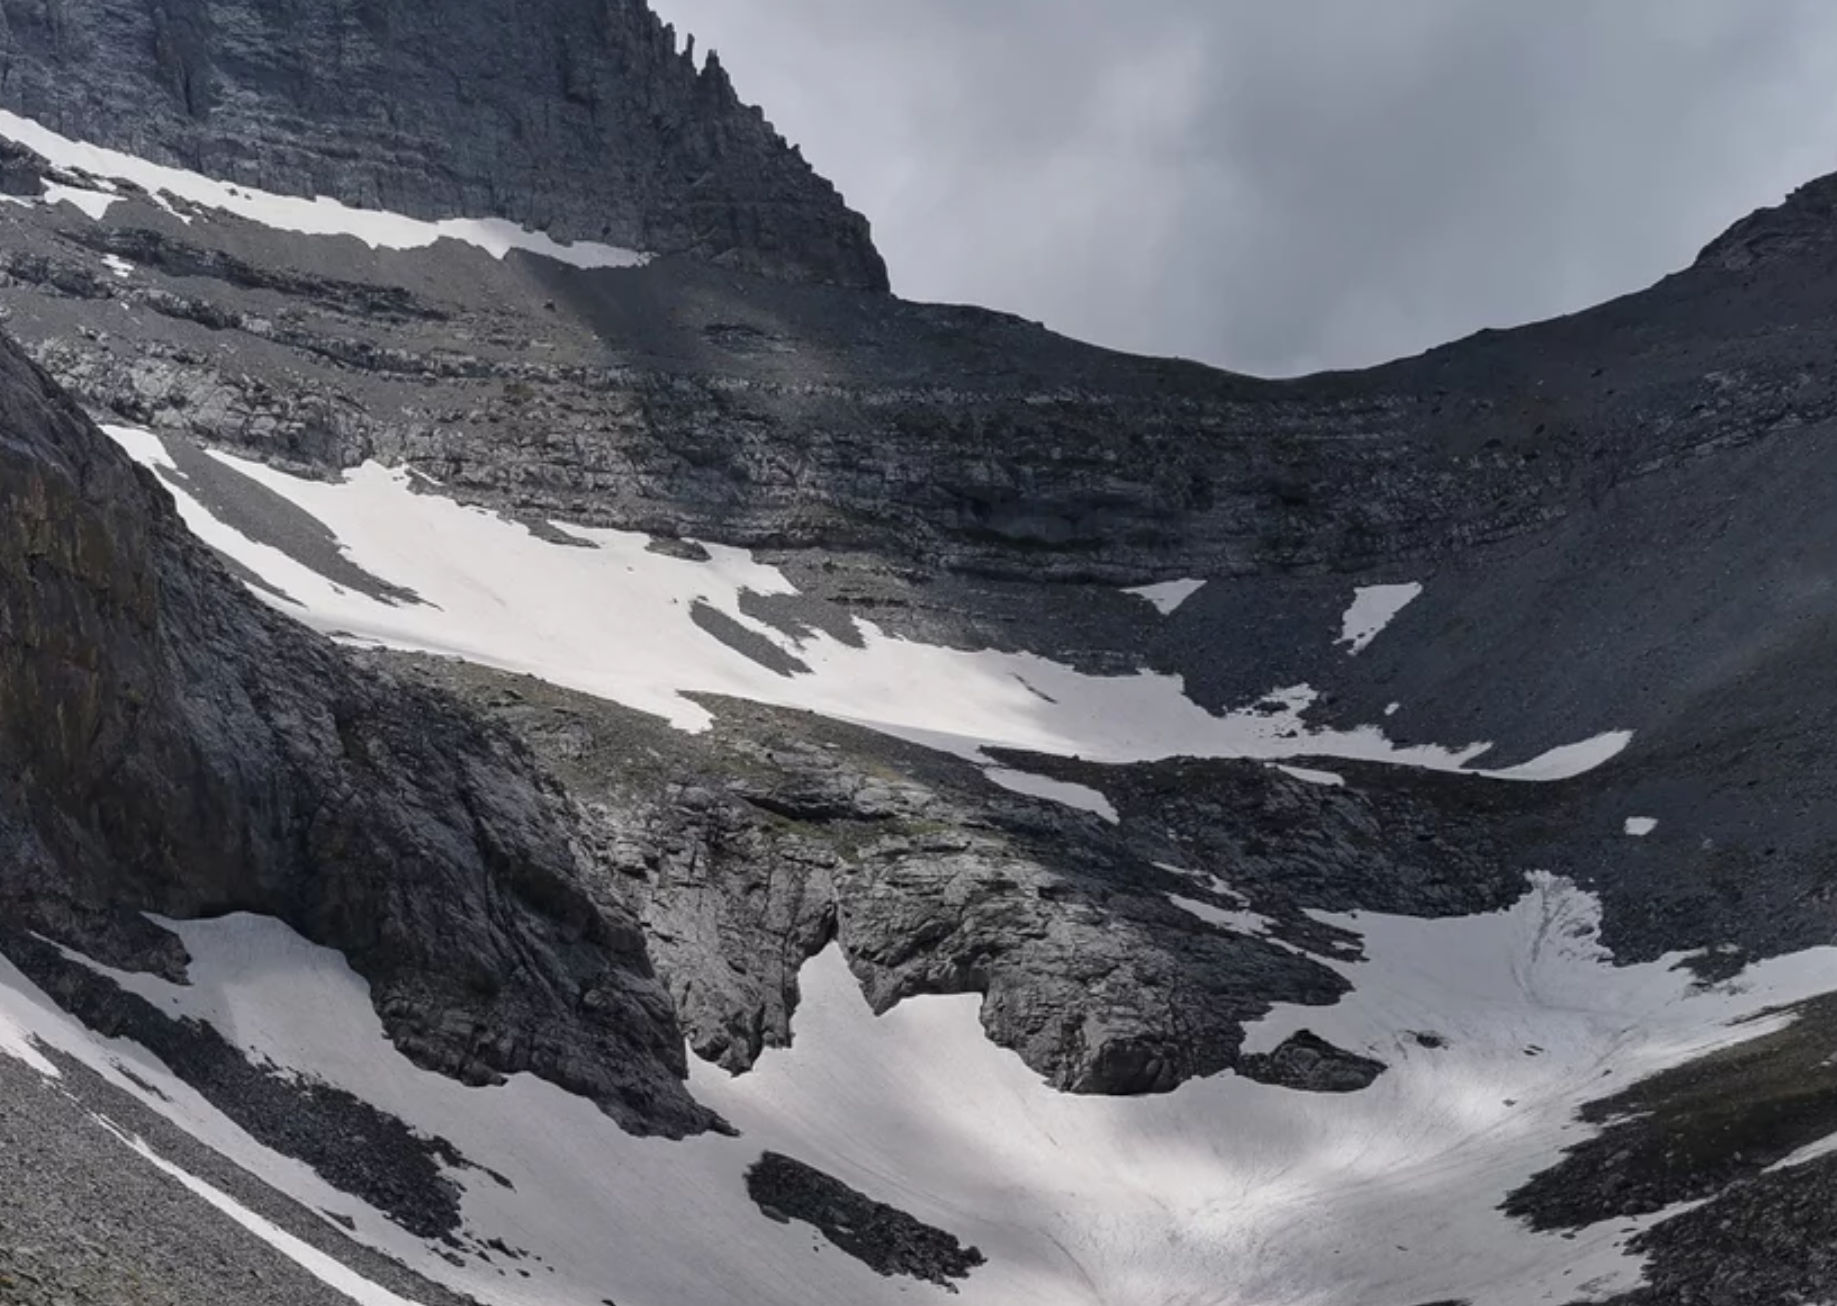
point(1282, 185)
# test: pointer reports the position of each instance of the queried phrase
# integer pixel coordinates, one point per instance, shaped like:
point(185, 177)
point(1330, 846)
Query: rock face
point(1307, 1062)
point(171, 746)
point(747, 850)
point(688, 401)
point(577, 116)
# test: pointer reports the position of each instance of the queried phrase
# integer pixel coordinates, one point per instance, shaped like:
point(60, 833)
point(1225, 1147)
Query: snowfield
point(618, 621)
point(1224, 1193)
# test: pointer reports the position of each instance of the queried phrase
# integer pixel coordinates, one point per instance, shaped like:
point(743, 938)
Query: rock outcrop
point(747, 850)
point(577, 116)
point(684, 400)
point(170, 745)
point(881, 1236)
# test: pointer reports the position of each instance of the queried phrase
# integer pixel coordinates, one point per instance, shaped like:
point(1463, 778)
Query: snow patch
point(1168, 595)
point(1373, 608)
point(146, 448)
point(95, 203)
point(312, 217)
point(17, 1042)
point(1569, 760)
point(118, 265)
point(1640, 826)
point(1240, 922)
point(1818, 1150)
point(1082, 797)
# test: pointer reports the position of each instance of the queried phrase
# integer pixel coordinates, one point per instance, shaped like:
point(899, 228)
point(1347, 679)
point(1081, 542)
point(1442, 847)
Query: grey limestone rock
point(1621, 518)
point(749, 848)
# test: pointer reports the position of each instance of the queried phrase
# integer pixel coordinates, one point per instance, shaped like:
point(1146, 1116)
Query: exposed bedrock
point(169, 744)
point(691, 401)
point(747, 850)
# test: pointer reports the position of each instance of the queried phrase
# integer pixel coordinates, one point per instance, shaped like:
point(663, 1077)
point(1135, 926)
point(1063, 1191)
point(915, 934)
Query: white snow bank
point(313, 217)
point(1224, 1192)
point(1569, 760)
point(1373, 608)
point(95, 203)
point(617, 621)
point(1082, 797)
point(1640, 826)
point(1168, 595)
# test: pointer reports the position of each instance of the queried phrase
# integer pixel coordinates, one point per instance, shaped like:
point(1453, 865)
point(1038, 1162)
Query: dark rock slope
point(578, 116)
point(677, 397)
point(171, 746)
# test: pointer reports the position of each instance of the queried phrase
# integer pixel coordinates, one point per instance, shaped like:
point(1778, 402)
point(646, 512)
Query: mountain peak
point(1805, 220)
point(574, 116)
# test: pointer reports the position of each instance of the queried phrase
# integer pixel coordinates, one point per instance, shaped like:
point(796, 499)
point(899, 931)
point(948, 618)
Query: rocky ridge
point(682, 400)
point(578, 117)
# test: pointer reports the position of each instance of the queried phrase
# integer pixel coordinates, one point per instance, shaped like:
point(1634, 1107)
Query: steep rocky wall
point(578, 116)
point(681, 400)
point(168, 745)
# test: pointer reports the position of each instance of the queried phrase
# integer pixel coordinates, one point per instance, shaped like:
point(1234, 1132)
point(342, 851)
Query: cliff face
point(169, 746)
point(577, 116)
point(674, 399)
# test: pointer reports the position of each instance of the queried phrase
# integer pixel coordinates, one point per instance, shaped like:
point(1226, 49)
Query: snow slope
point(1373, 608)
point(619, 621)
point(1224, 1193)
point(312, 217)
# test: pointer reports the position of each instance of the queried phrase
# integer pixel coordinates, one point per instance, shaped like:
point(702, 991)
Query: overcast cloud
point(1283, 185)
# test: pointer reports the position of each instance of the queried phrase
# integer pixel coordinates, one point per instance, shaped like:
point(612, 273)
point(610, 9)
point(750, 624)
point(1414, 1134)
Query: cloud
point(1283, 187)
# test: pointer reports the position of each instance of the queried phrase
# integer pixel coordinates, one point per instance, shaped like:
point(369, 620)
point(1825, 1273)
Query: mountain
point(561, 745)
point(580, 117)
